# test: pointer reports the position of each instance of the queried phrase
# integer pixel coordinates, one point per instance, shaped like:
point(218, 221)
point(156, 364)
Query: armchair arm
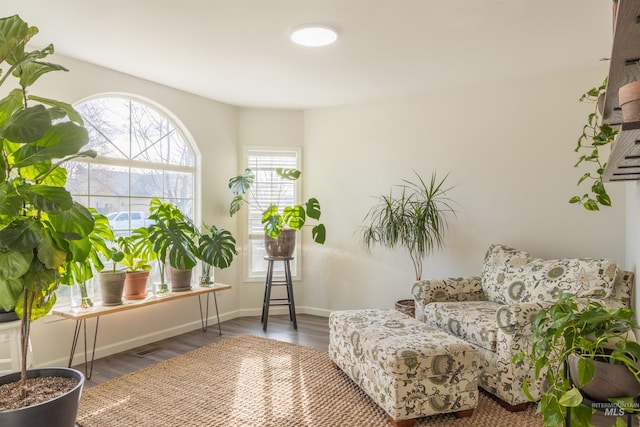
point(453, 289)
point(515, 319)
point(513, 336)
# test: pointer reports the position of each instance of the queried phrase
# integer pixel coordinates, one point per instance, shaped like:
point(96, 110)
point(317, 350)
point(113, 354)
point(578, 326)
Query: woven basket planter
point(406, 306)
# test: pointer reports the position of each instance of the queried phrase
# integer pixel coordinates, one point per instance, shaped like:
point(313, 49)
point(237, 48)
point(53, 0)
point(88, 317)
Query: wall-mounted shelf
point(624, 161)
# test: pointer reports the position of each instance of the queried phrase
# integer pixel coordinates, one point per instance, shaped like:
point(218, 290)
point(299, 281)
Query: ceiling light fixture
point(313, 35)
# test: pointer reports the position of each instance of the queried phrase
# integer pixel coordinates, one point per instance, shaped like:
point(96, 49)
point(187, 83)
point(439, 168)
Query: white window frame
point(252, 274)
point(132, 163)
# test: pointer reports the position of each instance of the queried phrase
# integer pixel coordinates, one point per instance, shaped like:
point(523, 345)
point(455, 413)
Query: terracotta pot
point(283, 246)
point(629, 100)
point(111, 286)
point(135, 285)
point(180, 279)
point(611, 380)
point(58, 412)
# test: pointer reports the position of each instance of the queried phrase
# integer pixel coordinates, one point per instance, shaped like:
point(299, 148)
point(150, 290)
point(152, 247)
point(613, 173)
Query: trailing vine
point(595, 135)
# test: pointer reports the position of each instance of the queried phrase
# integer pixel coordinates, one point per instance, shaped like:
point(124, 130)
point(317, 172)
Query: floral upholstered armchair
point(494, 311)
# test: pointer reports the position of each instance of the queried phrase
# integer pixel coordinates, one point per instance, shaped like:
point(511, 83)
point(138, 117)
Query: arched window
point(142, 154)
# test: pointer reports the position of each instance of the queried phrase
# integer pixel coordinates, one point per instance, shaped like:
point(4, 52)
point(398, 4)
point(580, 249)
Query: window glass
point(268, 189)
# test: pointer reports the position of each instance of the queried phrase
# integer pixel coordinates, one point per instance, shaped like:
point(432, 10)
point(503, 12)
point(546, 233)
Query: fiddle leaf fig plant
point(42, 229)
point(595, 136)
point(275, 217)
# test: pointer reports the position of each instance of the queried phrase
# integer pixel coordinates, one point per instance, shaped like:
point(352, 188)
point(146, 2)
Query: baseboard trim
point(120, 346)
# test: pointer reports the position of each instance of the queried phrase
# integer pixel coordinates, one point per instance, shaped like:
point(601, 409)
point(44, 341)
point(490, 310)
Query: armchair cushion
point(512, 276)
point(473, 321)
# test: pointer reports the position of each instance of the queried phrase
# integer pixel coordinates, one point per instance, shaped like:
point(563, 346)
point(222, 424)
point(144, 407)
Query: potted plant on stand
point(584, 351)
point(279, 240)
point(415, 219)
point(112, 281)
point(79, 272)
point(174, 239)
point(138, 253)
point(39, 221)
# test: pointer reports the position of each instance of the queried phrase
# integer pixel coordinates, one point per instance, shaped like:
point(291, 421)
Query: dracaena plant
point(41, 228)
point(275, 217)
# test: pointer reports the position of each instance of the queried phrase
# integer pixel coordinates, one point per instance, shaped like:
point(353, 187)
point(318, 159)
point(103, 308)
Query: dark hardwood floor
point(313, 331)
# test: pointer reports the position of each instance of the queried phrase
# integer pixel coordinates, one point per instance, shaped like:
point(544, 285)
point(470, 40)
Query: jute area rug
point(251, 381)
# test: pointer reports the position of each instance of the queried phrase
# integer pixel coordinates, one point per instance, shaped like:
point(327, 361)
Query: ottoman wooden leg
point(464, 414)
point(513, 408)
point(401, 423)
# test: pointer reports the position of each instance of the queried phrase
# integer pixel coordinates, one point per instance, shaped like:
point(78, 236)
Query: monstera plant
point(276, 217)
point(41, 228)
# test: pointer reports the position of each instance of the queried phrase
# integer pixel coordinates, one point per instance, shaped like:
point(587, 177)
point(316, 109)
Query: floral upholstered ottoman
point(408, 368)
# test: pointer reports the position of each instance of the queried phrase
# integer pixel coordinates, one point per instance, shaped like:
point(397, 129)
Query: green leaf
point(54, 176)
point(236, 204)
point(574, 199)
point(11, 202)
point(22, 235)
point(14, 32)
point(313, 208)
point(9, 292)
point(27, 125)
point(74, 223)
point(61, 140)
point(14, 264)
point(273, 222)
point(290, 174)
point(218, 247)
point(571, 398)
point(294, 216)
point(603, 199)
point(319, 233)
point(33, 70)
point(552, 413)
point(47, 198)
point(581, 415)
point(10, 104)
point(67, 108)
point(591, 205)
point(240, 184)
point(49, 253)
point(586, 370)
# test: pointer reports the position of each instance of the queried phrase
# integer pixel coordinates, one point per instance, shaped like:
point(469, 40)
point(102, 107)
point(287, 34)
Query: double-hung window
point(268, 189)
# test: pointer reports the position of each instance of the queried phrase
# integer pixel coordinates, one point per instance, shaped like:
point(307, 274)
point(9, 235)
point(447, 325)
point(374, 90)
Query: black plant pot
point(610, 381)
point(7, 316)
point(59, 412)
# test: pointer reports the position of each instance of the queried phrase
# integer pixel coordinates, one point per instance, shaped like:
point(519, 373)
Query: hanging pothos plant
point(595, 135)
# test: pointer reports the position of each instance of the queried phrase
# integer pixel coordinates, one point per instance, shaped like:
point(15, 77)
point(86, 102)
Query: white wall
point(213, 127)
point(507, 146)
point(264, 128)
